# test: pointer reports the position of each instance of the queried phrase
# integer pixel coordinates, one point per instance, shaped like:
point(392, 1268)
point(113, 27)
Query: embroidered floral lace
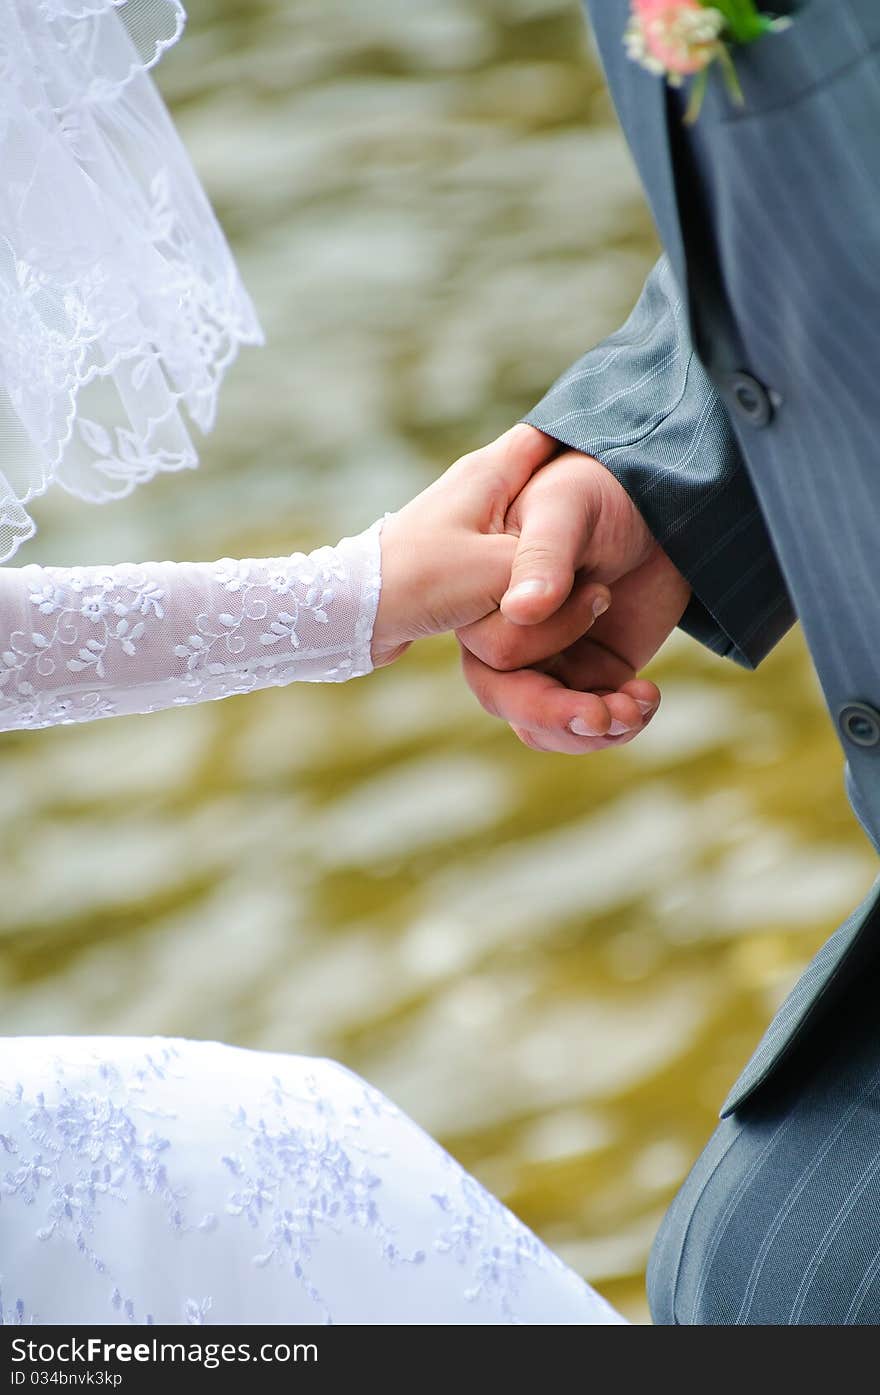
point(85, 642)
point(148, 1180)
point(120, 303)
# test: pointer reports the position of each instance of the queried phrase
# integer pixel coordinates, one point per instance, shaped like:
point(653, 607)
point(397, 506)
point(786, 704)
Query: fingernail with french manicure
point(645, 707)
point(617, 728)
point(600, 605)
point(579, 728)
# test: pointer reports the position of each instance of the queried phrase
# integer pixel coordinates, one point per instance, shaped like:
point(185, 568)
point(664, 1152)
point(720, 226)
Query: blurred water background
point(556, 966)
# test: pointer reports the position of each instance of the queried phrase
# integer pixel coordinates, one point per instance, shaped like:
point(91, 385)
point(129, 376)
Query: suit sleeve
point(642, 404)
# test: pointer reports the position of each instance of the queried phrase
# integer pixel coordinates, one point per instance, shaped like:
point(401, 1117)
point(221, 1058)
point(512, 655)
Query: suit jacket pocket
point(824, 39)
point(795, 212)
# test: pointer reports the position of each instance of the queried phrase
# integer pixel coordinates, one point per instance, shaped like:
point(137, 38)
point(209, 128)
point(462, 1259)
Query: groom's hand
point(576, 526)
point(447, 554)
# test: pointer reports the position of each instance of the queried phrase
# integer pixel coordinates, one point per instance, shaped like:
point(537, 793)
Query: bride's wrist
point(391, 632)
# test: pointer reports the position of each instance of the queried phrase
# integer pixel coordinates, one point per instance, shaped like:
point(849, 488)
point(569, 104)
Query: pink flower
point(674, 38)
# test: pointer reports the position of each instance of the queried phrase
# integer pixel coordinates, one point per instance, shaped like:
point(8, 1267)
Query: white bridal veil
point(120, 304)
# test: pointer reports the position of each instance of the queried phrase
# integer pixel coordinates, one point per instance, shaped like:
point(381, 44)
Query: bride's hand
point(446, 557)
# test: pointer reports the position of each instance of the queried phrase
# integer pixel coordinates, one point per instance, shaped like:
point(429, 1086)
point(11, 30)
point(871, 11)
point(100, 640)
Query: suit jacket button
point(859, 723)
point(751, 400)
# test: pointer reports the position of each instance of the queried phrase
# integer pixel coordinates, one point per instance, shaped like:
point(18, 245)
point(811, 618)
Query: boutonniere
point(678, 39)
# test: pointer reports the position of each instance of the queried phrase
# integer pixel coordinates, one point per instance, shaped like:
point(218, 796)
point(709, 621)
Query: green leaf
point(744, 22)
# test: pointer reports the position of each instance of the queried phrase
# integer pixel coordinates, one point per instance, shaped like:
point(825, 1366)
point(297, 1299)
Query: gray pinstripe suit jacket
point(765, 494)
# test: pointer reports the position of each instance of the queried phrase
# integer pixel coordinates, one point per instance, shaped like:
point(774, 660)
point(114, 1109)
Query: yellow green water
point(557, 966)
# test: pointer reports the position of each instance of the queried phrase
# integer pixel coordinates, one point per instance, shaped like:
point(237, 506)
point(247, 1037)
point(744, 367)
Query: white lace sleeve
point(85, 642)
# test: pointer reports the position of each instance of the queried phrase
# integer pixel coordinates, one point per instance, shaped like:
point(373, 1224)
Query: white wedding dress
point(154, 1180)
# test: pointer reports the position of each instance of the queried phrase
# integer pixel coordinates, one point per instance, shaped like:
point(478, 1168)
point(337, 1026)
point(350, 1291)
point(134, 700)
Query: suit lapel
point(643, 105)
point(651, 141)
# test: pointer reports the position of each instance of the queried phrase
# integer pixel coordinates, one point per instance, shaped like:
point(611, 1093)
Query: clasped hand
point(540, 562)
